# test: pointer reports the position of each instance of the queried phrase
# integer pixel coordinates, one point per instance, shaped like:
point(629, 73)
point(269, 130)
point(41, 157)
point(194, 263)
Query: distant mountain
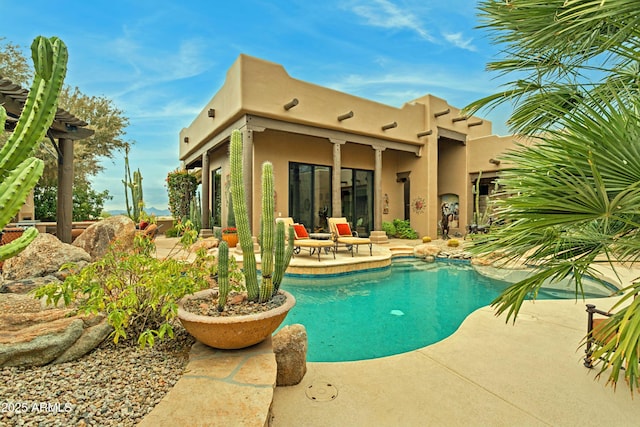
point(150, 211)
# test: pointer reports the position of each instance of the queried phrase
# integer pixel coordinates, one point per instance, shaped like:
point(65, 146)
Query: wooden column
point(336, 196)
point(64, 215)
point(377, 188)
point(206, 192)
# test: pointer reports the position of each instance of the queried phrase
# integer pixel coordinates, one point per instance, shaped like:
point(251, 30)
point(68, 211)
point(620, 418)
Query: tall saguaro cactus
point(133, 185)
point(275, 258)
point(19, 170)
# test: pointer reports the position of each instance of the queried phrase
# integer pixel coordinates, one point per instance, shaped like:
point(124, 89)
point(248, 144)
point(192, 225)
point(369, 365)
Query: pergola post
point(64, 212)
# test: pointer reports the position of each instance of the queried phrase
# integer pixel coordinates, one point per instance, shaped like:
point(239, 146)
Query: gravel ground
point(111, 386)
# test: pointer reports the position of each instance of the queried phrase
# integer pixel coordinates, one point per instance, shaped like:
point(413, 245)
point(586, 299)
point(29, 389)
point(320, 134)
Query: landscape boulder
point(425, 250)
point(290, 348)
point(44, 256)
point(97, 237)
point(24, 286)
point(206, 244)
point(33, 336)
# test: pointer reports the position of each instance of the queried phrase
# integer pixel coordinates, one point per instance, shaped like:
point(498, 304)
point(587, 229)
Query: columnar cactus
point(133, 185)
point(223, 274)
point(195, 212)
point(267, 225)
point(270, 279)
point(19, 171)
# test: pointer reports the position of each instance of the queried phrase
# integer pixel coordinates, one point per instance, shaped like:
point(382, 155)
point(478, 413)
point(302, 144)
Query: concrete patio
point(487, 374)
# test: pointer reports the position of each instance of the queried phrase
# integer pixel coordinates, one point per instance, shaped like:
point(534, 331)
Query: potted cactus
point(19, 170)
point(207, 315)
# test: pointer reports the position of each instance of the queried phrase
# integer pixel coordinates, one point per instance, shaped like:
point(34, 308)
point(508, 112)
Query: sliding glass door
point(356, 189)
point(216, 198)
point(310, 195)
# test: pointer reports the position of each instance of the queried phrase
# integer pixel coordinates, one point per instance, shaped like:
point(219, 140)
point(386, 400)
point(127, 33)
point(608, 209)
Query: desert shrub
point(138, 292)
point(404, 230)
point(171, 232)
point(389, 228)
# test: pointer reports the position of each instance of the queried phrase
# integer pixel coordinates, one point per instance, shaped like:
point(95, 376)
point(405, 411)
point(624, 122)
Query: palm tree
point(574, 193)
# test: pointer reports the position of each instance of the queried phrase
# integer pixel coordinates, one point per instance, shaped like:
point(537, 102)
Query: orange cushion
point(343, 229)
point(300, 231)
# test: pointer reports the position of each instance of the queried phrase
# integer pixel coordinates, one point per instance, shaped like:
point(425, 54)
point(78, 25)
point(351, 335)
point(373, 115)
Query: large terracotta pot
point(235, 331)
point(231, 239)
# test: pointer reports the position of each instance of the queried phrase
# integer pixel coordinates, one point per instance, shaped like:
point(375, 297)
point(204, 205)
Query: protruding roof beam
point(345, 116)
point(441, 113)
point(289, 105)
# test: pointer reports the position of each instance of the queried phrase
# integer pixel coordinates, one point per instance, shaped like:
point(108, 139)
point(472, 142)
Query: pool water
point(408, 306)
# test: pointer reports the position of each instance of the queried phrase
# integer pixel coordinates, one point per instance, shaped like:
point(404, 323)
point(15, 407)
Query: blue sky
point(161, 61)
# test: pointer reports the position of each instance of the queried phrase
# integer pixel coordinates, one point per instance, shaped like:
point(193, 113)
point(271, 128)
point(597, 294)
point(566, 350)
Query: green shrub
point(389, 228)
point(171, 232)
point(138, 292)
point(404, 230)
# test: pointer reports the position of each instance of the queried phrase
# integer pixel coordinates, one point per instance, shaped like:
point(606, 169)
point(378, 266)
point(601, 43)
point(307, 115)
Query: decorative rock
point(26, 285)
point(426, 250)
point(90, 338)
point(290, 348)
point(208, 243)
point(39, 344)
point(97, 237)
point(33, 335)
point(43, 257)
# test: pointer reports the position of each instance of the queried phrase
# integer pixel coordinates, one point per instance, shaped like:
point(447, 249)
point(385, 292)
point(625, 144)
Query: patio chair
point(342, 234)
point(302, 239)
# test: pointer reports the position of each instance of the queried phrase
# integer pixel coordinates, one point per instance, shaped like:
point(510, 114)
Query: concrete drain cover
point(321, 392)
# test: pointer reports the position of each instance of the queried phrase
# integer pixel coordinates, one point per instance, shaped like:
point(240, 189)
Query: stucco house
point(336, 154)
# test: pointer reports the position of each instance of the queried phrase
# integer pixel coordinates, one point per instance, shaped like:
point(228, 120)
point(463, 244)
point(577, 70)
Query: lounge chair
point(342, 234)
point(302, 239)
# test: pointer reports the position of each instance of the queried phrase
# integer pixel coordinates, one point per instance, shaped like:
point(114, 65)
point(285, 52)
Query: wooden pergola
point(65, 129)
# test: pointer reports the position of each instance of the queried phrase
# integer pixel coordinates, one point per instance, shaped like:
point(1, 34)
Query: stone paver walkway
point(220, 388)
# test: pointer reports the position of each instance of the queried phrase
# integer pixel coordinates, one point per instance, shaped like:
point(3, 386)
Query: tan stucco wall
point(488, 147)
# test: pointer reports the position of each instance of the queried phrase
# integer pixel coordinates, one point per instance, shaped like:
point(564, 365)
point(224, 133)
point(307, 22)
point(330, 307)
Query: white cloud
point(419, 82)
point(152, 66)
point(457, 39)
point(385, 14)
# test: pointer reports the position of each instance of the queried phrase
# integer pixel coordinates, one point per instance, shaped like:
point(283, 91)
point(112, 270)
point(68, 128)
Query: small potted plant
point(209, 315)
point(230, 236)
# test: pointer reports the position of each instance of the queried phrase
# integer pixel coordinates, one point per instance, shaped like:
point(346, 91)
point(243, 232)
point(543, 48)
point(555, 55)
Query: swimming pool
point(407, 306)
